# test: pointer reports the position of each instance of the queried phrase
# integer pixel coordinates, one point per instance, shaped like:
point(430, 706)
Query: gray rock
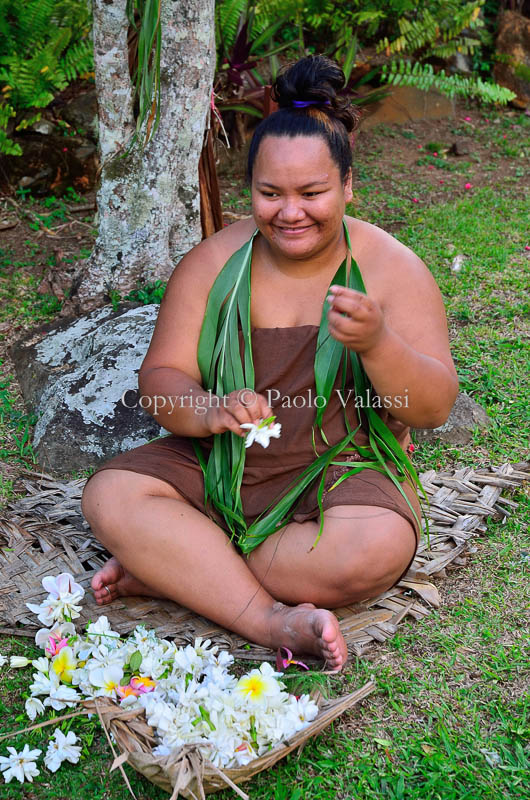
point(460, 148)
point(74, 375)
point(464, 417)
point(82, 114)
point(43, 126)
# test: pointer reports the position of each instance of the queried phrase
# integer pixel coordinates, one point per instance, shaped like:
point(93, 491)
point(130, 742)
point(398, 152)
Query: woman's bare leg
point(362, 552)
point(174, 550)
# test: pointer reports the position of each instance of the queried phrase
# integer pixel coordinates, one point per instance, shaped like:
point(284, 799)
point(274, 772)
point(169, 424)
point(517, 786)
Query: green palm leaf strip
point(226, 365)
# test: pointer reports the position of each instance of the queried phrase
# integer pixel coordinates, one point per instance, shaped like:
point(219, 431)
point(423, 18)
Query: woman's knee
point(102, 497)
point(372, 561)
point(110, 496)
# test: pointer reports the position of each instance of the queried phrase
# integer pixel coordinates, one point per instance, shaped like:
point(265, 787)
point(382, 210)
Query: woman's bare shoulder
point(369, 240)
point(382, 258)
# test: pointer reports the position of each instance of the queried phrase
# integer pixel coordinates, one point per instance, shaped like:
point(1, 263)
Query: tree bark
point(148, 201)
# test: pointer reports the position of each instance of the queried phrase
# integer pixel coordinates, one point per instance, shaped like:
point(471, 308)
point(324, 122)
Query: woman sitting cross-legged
point(325, 323)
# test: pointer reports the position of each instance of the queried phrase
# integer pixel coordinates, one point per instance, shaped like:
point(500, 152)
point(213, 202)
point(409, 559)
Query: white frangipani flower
point(58, 632)
point(263, 432)
point(61, 605)
point(42, 664)
point(43, 683)
point(62, 697)
point(100, 632)
point(259, 685)
point(188, 693)
point(34, 707)
point(58, 696)
point(57, 609)
point(20, 765)
point(106, 680)
point(19, 662)
point(62, 585)
point(61, 748)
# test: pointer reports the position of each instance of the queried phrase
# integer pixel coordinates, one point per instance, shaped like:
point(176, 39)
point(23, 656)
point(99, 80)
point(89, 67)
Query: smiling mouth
point(294, 231)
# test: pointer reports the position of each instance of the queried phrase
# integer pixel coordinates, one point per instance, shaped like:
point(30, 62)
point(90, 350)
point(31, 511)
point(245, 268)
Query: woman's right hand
point(236, 408)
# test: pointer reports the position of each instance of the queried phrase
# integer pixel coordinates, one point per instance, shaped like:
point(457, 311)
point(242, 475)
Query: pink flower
point(435, 154)
point(527, 247)
point(54, 645)
point(430, 166)
point(142, 685)
point(65, 149)
point(467, 119)
point(126, 691)
point(468, 186)
point(420, 147)
point(441, 181)
point(283, 661)
point(410, 448)
point(504, 136)
point(415, 200)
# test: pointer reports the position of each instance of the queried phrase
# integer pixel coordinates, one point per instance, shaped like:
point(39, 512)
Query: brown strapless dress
point(284, 371)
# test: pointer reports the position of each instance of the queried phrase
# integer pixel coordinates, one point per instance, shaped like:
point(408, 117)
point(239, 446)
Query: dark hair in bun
point(307, 93)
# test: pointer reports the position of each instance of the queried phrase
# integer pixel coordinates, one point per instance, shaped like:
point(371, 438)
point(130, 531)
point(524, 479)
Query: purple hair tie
point(305, 103)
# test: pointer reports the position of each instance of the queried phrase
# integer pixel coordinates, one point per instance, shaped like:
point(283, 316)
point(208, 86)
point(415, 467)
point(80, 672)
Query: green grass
point(450, 719)
point(15, 427)
point(451, 693)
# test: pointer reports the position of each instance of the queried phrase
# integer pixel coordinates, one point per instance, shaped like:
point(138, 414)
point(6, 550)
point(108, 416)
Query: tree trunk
point(148, 201)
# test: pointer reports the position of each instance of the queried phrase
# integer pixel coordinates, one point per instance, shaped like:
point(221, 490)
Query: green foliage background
point(46, 44)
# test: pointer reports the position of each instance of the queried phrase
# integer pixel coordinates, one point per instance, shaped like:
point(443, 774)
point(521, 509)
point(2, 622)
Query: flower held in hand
point(263, 432)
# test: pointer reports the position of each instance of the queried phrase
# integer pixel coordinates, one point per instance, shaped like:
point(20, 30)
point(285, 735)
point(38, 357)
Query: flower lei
point(224, 370)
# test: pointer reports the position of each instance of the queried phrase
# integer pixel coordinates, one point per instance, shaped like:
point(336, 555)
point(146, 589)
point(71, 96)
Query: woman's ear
point(348, 189)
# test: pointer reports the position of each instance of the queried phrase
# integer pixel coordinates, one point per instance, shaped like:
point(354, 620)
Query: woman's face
point(298, 197)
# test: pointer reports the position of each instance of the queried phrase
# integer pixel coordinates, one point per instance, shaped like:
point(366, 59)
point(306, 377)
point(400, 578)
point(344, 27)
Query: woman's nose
point(291, 210)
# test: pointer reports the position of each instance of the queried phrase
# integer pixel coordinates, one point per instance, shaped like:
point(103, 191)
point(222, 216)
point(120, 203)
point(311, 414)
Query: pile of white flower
point(188, 693)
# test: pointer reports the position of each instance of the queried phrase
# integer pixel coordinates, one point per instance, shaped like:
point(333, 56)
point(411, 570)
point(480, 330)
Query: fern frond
point(433, 28)
point(44, 44)
point(422, 76)
point(227, 16)
point(447, 49)
point(467, 16)
point(79, 58)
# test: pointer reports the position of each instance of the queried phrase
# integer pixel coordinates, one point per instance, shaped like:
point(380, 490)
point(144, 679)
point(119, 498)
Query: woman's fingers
point(354, 304)
point(236, 409)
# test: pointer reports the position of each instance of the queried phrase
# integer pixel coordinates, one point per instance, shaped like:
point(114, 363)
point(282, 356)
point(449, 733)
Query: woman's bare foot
point(119, 583)
point(303, 628)
point(307, 629)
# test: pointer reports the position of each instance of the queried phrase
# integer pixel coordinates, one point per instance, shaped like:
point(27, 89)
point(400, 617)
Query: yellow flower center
point(253, 686)
point(63, 664)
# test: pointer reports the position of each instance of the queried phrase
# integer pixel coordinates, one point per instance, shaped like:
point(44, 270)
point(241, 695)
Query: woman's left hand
point(354, 319)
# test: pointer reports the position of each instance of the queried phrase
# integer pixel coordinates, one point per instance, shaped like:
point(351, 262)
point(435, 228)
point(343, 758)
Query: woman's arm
point(169, 378)
point(400, 331)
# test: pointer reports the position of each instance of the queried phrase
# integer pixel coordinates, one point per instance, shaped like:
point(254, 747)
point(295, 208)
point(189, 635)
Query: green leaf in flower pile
point(135, 661)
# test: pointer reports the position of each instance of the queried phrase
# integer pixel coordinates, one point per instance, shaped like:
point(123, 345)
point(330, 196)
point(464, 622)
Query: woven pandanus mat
point(44, 533)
